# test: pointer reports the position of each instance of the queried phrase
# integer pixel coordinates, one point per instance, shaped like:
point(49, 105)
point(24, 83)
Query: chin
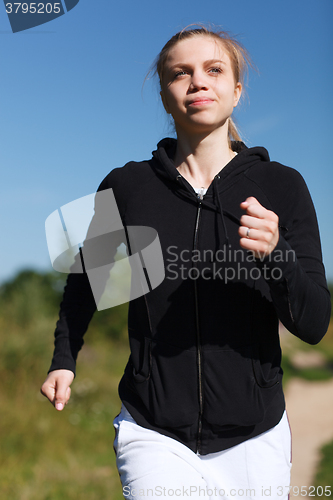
point(202, 126)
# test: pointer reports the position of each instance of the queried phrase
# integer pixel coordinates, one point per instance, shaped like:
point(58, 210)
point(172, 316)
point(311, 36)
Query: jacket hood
point(245, 159)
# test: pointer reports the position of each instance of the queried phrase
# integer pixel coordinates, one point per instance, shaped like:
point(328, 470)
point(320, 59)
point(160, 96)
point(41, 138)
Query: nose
point(198, 82)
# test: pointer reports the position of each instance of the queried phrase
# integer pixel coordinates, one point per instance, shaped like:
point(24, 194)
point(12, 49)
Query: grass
point(50, 455)
point(324, 476)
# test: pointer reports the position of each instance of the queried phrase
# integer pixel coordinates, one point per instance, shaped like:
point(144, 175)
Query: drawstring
point(216, 194)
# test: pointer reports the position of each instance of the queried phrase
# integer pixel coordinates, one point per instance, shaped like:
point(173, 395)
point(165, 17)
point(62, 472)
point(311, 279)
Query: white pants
point(153, 466)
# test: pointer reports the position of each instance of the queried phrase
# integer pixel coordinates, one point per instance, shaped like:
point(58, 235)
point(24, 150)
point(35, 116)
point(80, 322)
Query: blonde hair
point(239, 58)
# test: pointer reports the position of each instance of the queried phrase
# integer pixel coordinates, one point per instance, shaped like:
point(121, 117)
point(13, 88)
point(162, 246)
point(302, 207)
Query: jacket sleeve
point(294, 270)
point(79, 302)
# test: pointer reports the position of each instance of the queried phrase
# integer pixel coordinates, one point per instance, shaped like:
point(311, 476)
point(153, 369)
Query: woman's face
point(198, 87)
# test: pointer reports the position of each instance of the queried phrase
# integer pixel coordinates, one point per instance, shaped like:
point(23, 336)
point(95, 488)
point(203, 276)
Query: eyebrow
point(209, 61)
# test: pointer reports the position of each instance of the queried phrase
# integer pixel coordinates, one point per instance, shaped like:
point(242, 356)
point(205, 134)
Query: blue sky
point(72, 106)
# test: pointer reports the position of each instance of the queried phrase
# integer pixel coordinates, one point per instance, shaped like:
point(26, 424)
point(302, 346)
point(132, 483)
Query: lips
point(200, 101)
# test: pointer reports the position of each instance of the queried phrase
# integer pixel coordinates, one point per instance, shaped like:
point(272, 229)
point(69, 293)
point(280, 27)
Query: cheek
point(174, 101)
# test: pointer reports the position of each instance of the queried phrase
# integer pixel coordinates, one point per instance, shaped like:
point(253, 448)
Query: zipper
point(199, 351)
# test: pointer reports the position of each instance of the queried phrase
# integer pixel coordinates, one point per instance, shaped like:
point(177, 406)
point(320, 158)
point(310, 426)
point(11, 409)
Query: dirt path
point(310, 413)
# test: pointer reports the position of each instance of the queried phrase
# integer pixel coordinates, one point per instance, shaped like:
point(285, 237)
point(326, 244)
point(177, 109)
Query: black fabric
point(205, 353)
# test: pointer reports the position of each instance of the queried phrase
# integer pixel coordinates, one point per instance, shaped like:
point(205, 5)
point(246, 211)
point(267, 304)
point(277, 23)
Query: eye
point(216, 69)
point(179, 73)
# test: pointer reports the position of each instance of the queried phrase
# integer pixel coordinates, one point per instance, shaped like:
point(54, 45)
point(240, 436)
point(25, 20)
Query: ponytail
point(233, 134)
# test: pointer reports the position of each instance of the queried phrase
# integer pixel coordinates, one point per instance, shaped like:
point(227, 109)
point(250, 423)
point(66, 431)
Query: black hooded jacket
point(205, 355)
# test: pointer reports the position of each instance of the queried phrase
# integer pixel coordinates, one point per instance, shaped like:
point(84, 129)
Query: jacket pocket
point(141, 367)
point(266, 375)
point(232, 396)
point(170, 393)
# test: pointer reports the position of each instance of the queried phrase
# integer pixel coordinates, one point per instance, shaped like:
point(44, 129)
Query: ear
point(164, 101)
point(237, 94)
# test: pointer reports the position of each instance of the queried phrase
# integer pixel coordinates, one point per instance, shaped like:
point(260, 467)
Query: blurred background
point(73, 107)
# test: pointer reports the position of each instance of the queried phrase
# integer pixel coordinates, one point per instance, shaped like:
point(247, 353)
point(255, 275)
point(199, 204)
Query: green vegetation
point(68, 455)
point(324, 475)
point(45, 454)
point(324, 372)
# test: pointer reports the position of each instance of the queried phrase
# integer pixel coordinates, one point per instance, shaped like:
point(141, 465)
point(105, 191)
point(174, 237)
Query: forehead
point(197, 48)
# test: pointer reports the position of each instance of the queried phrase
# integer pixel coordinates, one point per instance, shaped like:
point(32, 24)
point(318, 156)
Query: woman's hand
point(259, 229)
point(57, 387)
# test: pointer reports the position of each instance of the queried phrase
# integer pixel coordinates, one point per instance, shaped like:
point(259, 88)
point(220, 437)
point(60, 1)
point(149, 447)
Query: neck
point(200, 157)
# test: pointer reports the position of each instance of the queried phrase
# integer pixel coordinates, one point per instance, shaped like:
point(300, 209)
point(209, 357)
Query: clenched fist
point(57, 387)
point(259, 229)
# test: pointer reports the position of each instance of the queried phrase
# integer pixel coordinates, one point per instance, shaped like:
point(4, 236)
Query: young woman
point(203, 411)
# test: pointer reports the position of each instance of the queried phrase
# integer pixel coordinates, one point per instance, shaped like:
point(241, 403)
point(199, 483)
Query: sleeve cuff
point(63, 358)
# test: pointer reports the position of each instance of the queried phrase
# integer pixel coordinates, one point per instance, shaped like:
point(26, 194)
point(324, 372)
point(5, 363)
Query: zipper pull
point(200, 194)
